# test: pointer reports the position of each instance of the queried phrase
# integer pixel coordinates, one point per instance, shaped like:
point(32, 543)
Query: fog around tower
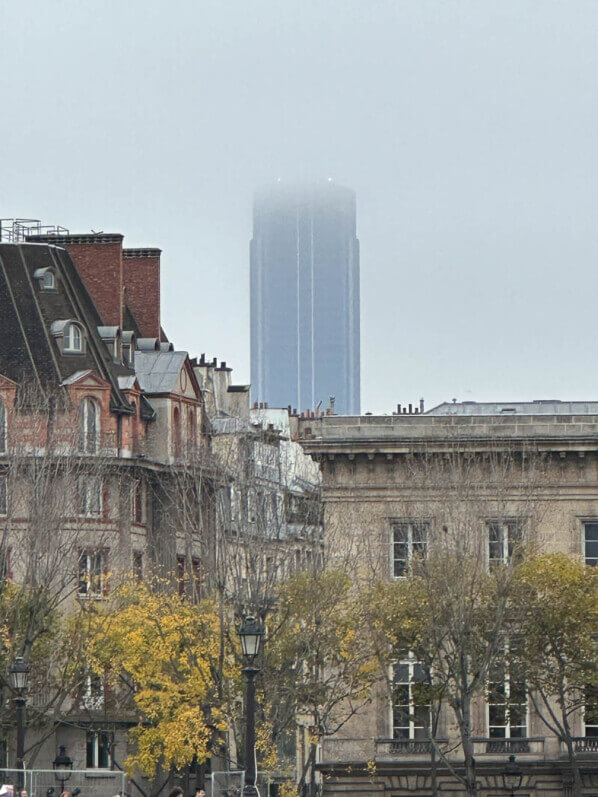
point(467, 130)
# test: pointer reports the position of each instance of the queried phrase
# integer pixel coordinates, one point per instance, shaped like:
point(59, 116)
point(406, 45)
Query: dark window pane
point(399, 568)
point(591, 531)
point(592, 549)
point(497, 714)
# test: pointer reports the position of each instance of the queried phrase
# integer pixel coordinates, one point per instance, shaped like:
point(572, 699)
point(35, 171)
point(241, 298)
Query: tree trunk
point(577, 782)
point(467, 744)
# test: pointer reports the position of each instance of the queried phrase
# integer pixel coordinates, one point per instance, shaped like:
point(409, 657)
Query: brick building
point(88, 379)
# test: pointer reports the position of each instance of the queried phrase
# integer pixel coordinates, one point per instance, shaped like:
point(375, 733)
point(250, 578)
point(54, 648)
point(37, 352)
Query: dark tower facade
point(305, 343)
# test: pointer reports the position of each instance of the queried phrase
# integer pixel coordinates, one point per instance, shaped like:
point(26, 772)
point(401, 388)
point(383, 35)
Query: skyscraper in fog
point(305, 298)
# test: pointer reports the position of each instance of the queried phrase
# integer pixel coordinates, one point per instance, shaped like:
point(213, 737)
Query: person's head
point(177, 792)
point(65, 794)
point(200, 792)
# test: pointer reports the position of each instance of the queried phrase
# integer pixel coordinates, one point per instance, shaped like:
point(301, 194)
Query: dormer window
point(73, 339)
point(46, 279)
point(70, 334)
point(111, 337)
point(128, 348)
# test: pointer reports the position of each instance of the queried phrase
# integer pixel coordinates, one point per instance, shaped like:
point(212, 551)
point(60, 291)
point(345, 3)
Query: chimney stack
point(141, 269)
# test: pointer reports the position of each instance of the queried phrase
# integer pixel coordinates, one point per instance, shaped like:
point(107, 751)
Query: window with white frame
point(2, 427)
point(590, 711)
point(92, 697)
point(92, 565)
point(409, 542)
point(590, 543)
point(504, 541)
point(410, 709)
point(99, 749)
point(48, 281)
point(3, 496)
point(72, 340)
point(89, 425)
point(90, 496)
point(507, 699)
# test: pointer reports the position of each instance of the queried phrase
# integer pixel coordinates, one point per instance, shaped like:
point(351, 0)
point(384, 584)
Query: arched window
point(89, 425)
point(46, 279)
point(73, 338)
point(178, 442)
point(191, 430)
point(2, 427)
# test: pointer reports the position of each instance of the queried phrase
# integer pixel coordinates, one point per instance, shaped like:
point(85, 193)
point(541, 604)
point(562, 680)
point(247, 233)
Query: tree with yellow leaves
point(556, 619)
point(319, 661)
point(161, 654)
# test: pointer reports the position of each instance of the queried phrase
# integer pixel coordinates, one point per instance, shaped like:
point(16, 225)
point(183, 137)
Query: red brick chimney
point(98, 258)
point(142, 288)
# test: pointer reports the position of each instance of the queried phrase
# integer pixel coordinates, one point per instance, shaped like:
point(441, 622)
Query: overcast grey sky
point(468, 128)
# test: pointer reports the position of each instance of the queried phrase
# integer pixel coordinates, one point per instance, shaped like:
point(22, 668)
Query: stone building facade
point(364, 461)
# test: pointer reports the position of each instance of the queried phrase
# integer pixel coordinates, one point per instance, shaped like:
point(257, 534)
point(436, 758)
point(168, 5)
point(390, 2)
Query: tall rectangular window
point(138, 565)
point(137, 502)
point(410, 711)
point(181, 574)
point(409, 542)
point(590, 711)
point(99, 749)
point(196, 569)
point(504, 541)
point(90, 496)
point(5, 563)
point(92, 695)
point(92, 573)
point(3, 496)
point(507, 700)
point(590, 543)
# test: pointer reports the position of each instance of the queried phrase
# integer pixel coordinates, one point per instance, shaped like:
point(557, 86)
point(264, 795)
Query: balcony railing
point(585, 744)
point(406, 747)
point(533, 745)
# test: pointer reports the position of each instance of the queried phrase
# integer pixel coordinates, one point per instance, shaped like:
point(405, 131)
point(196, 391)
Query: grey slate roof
point(28, 316)
point(541, 407)
point(158, 371)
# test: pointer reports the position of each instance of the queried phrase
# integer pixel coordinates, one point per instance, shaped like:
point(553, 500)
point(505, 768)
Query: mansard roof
point(29, 351)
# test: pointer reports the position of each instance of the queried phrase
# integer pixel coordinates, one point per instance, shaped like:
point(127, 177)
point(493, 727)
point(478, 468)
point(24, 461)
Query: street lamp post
point(512, 776)
point(63, 767)
point(19, 676)
point(251, 633)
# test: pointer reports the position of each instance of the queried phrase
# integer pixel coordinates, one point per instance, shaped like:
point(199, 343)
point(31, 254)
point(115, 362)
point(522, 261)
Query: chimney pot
point(421, 405)
point(410, 409)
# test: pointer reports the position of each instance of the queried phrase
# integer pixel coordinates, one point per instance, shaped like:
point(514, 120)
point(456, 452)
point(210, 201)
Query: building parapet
point(383, 431)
